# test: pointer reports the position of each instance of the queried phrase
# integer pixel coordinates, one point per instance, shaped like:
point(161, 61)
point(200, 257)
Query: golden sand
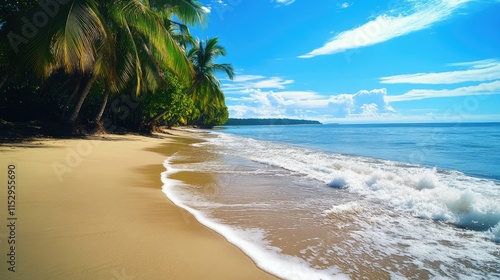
point(94, 209)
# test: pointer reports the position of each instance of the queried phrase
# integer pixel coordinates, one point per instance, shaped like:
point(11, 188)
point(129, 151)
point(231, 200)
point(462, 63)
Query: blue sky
point(358, 62)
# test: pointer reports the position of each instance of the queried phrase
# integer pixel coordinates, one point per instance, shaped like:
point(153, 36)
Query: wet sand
point(94, 209)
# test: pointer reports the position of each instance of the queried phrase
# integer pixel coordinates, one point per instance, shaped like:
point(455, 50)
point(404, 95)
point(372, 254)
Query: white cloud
point(215, 4)
point(386, 27)
point(418, 94)
point(260, 96)
point(344, 5)
point(243, 83)
point(301, 95)
point(258, 104)
point(307, 104)
point(478, 71)
point(361, 103)
point(283, 2)
point(476, 64)
point(244, 78)
point(206, 9)
point(274, 82)
point(220, 2)
point(361, 107)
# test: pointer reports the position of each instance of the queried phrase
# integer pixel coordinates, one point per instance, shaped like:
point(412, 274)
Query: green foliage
point(215, 116)
point(171, 99)
point(206, 92)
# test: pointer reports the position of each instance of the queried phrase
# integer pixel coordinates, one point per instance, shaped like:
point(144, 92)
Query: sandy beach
point(94, 209)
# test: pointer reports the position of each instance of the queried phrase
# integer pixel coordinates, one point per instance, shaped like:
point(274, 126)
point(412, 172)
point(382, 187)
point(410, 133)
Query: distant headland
point(269, 122)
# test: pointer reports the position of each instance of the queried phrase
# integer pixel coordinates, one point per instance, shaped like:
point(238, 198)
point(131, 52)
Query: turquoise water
point(472, 148)
point(412, 201)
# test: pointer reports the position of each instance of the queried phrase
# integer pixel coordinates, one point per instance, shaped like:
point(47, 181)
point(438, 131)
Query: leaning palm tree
point(205, 88)
point(141, 58)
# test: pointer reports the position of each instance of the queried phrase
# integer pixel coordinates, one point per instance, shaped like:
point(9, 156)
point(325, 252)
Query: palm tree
point(117, 42)
point(188, 11)
point(205, 89)
point(140, 61)
point(176, 35)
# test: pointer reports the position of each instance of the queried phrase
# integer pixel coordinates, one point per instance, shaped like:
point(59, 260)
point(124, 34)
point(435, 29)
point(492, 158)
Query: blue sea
point(339, 201)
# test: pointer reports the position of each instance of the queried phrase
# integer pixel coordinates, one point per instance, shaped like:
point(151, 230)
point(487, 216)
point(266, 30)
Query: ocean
point(377, 201)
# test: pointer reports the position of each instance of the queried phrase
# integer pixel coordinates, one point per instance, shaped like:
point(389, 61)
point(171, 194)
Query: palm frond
point(189, 11)
point(148, 24)
point(69, 41)
point(207, 94)
point(223, 68)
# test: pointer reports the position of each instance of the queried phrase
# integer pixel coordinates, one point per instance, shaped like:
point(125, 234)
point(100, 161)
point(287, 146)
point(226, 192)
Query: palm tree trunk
point(99, 127)
point(69, 99)
point(85, 91)
point(173, 122)
point(98, 117)
point(152, 123)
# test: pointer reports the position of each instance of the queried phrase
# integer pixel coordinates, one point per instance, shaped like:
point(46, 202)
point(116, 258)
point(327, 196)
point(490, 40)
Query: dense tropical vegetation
point(89, 65)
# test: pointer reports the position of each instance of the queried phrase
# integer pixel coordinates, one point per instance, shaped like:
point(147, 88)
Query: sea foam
point(368, 206)
point(251, 241)
point(423, 192)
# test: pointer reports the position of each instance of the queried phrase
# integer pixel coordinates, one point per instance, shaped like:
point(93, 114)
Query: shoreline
point(94, 209)
point(278, 197)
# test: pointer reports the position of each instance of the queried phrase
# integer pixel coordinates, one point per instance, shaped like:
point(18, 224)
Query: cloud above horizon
point(363, 103)
point(242, 83)
point(254, 96)
point(486, 71)
point(389, 26)
point(475, 90)
point(476, 71)
point(256, 103)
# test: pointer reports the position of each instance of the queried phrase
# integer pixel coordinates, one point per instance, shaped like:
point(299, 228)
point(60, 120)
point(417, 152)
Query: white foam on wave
point(423, 192)
point(338, 183)
point(495, 233)
point(428, 180)
point(350, 207)
point(251, 241)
